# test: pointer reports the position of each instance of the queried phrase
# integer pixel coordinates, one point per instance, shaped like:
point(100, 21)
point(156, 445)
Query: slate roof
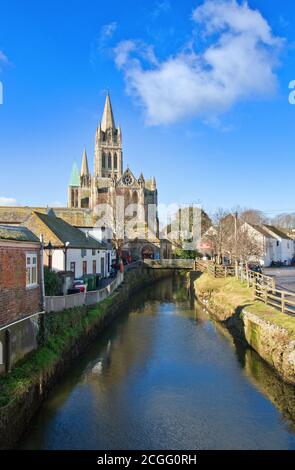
point(67, 233)
point(262, 230)
point(277, 232)
point(20, 234)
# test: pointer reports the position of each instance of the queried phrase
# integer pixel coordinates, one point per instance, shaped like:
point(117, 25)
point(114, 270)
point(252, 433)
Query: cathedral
point(110, 182)
point(86, 191)
point(112, 187)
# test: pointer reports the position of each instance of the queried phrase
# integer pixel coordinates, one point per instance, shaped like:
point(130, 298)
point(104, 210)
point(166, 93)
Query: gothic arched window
point(109, 161)
point(103, 160)
point(135, 197)
point(115, 162)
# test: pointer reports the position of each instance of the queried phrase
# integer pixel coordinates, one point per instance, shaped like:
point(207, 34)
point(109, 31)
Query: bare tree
point(229, 238)
point(253, 216)
point(250, 246)
point(218, 234)
point(285, 221)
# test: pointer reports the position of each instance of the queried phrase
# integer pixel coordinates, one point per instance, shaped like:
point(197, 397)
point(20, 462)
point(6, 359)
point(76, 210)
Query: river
point(166, 376)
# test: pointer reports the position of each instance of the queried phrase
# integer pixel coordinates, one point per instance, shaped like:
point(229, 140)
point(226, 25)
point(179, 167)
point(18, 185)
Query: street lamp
point(49, 250)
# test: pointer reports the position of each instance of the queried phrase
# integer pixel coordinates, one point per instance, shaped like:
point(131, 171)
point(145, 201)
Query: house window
point(109, 161)
point(93, 252)
point(83, 252)
point(115, 161)
point(84, 267)
point(278, 243)
point(73, 267)
point(94, 266)
point(31, 269)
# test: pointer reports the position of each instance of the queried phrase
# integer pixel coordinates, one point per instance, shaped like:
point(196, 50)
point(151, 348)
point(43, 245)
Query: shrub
point(52, 282)
point(186, 254)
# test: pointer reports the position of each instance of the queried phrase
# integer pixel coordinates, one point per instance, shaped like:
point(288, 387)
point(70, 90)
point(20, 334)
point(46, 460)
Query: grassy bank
point(231, 296)
point(67, 335)
point(62, 331)
point(267, 330)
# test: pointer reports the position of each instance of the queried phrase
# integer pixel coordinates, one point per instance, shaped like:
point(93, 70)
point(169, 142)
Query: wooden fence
point(264, 286)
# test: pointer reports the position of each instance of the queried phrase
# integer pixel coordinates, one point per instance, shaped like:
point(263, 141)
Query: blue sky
point(202, 98)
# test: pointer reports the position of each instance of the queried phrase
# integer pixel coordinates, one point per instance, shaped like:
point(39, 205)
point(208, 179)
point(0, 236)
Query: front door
point(84, 267)
point(73, 267)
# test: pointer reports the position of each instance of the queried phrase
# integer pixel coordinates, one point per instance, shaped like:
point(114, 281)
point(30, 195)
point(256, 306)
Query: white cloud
point(161, 6)
point(108, 30)
point(238, 63)
point(7, 201)
point(3, 59)
point(101, 42)
point(106, 33)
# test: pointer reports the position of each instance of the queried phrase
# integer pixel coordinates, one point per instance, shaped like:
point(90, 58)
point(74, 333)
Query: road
point(285, 277)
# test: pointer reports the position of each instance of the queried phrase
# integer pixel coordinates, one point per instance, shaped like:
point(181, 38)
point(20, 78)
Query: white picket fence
point(58, 303)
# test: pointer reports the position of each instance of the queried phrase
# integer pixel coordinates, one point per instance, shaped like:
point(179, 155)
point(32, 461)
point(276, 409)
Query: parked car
point(73, 290)
point(80, 285)
point(255, 267)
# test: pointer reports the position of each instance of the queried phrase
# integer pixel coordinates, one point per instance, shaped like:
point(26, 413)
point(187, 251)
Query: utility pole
point(42, 272)
point(236, 243)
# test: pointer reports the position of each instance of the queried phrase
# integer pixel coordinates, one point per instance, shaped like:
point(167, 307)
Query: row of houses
point(64, 249)
point(264, 244)
point(277, 246)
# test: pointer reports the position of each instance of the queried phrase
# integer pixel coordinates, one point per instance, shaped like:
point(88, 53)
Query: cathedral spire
point(107, 117)
point(84, 167)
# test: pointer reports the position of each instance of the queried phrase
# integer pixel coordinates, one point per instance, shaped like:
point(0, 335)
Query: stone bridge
point(170, 263)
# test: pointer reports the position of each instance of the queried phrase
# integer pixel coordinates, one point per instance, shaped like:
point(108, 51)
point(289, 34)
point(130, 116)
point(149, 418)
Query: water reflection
point(165, 376)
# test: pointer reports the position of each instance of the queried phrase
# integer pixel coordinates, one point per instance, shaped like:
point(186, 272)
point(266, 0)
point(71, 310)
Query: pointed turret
point(84, 167)
point(154, 184)
point(141, 180)
point(74, 179)
point(107, 117)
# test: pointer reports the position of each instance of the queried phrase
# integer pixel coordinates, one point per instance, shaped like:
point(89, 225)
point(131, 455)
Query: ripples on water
point(165, 376)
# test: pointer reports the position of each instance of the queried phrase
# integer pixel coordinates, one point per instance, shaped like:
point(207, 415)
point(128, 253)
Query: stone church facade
point(117, 188)
point(111, 186)
point(86, 191)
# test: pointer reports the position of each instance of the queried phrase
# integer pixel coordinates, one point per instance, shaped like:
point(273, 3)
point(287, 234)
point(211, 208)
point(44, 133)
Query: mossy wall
point(68, 334)
point(269, 332)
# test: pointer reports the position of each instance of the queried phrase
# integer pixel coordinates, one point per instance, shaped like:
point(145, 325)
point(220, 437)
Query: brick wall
point(16, 300)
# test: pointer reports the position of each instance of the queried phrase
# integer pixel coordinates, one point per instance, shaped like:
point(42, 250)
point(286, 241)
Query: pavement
point(285, 277)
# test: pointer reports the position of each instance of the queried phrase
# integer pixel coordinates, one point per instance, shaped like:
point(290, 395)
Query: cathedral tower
point(109, 184)
point(108, 159)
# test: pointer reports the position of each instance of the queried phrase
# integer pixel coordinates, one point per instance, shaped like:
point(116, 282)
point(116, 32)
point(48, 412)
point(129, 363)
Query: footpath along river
point(166, 376)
